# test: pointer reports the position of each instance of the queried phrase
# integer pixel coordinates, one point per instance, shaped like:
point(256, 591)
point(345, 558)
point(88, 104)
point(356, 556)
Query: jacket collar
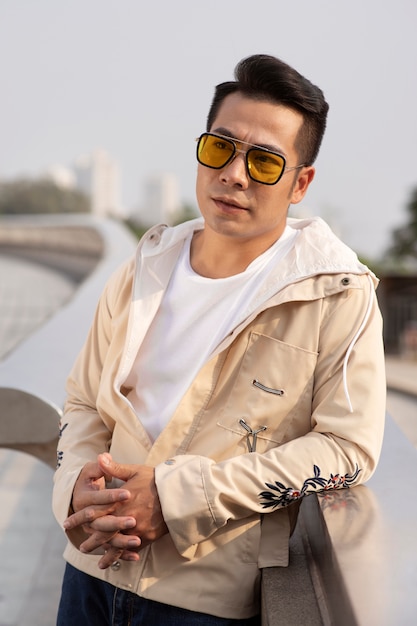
point(317, 250)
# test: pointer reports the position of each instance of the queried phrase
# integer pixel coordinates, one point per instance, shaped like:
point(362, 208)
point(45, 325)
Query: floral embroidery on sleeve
point(279, 495)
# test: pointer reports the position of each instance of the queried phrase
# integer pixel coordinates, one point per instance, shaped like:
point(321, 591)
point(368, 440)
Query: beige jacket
point(306, 367)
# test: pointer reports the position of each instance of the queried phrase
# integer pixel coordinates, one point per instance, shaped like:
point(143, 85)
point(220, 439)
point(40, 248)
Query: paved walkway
point(31, 542)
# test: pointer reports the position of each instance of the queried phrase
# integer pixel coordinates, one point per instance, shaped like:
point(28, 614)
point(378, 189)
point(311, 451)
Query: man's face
point(231, 203)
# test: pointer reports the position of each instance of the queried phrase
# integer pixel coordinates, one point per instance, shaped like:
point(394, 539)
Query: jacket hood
point(317, 250)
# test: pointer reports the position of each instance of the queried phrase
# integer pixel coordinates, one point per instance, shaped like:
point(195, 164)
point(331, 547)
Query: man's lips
point(229, 204)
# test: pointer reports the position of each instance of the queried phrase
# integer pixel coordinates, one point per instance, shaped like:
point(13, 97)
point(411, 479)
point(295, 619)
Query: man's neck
point(214, 257)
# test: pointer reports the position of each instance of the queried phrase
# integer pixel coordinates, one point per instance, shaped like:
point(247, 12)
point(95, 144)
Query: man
point(233, 367)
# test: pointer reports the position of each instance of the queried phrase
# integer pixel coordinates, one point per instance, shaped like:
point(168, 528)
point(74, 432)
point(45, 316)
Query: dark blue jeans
point(87, 601)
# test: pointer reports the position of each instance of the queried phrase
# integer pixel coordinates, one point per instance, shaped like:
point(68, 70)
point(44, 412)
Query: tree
point(40, 196)
point(404, 245)
point(187, 212)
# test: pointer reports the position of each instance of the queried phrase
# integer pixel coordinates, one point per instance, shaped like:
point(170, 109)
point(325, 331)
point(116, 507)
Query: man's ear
point(302, 184)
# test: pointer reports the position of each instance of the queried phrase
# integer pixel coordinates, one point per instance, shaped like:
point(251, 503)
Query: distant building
point(62, 176)
point(161, 201)
point(97, 174)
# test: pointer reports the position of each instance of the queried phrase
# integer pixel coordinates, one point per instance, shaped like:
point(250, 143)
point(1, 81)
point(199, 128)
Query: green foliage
point(40, 196)
point(375, 266)
point(188, 212)
point(136, 229)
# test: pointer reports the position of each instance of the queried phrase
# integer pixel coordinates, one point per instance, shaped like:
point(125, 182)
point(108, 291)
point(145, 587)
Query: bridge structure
point(353, 556)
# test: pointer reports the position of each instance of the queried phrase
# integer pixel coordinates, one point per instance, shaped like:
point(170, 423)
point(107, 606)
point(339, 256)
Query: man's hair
point(264, 77)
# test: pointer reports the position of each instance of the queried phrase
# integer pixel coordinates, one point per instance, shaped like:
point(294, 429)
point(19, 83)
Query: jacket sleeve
point(341, 449)
point(84, 431)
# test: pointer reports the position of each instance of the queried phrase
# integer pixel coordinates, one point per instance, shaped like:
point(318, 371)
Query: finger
point(115, 546)
point(93, 514)
point(97, 504)
point(127, 543)
point(112, 523)
point(95, 541)
point(114, 553)
point(91, 470)
point(106, 529)
point(104, 500)
point(111, 555)
point(129, 556)
point(100, 539)
point(92, 474)
point(117, 470)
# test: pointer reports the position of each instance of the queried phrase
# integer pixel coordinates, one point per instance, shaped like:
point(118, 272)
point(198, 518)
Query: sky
point(136, 78)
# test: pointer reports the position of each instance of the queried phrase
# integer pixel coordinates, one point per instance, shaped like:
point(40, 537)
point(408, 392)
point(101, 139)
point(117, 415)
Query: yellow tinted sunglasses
point(263, 166)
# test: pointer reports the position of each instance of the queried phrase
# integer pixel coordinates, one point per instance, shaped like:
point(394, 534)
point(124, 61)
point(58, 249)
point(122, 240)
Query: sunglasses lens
point(265, 167)
point(214, 151)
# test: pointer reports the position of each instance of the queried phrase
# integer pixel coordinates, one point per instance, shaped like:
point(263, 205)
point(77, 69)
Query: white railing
point(32, 377)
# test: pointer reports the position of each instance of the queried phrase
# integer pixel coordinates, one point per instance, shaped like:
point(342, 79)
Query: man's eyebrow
point(227, 133)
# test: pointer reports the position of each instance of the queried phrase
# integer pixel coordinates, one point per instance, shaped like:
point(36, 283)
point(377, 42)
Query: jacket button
point(116, 566)
point(345, 281)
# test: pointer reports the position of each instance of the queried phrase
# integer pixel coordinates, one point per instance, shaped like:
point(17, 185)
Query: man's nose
point(235, 172)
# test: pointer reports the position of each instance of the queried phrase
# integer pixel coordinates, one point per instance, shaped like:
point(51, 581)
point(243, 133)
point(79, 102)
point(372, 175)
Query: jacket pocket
point(270, 400)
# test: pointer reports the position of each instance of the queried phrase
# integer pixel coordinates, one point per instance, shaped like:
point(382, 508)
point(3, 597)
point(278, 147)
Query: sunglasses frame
point(236, 151)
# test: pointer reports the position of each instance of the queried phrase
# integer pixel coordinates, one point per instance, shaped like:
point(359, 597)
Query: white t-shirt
point(195, 315)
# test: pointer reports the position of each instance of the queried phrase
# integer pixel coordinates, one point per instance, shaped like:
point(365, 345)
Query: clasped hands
point(122, 521)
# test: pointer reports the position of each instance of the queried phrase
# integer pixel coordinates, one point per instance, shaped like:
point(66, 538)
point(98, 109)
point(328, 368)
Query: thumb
point(115, 470)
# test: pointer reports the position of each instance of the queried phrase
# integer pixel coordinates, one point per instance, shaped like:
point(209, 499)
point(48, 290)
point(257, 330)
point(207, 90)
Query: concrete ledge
point(30, 425)
point(364, 545)
point(356, 548)
point(288, 594)
point(67, 244)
